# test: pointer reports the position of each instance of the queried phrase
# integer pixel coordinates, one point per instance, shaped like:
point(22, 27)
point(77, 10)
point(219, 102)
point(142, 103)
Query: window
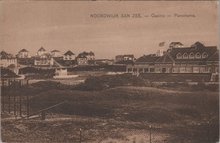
point(185, 56)
point(198, 56)
point(191, 56)
point(145, 69)
point(151, 69)
point(179, 56)
point(134, 69)
point(163, 70)
point(195, 69)
point(141, 70)
point(129, 69)
point(204, 55)
point(182, 70)
point(175, 70)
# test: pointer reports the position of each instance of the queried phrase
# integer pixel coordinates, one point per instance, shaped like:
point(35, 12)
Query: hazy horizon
point(68, 25)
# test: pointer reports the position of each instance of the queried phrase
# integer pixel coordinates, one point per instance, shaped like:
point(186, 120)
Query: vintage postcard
point(109, 71)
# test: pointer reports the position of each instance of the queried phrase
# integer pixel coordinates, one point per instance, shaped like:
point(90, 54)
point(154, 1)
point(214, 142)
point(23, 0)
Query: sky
point(68, 25)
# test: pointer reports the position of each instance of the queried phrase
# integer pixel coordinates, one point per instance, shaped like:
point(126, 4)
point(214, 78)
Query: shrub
point(110, 81)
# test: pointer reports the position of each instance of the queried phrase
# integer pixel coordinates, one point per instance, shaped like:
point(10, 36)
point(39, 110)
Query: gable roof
point(147, 59)
point(23, 50)
point(42, 49)
point(4, 55)
point(214, 57)
point(166, 58)
point(91, 53)
point(69, 53)
point(210, 50)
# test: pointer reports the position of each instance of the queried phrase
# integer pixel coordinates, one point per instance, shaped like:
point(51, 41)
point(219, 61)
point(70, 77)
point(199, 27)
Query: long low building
point(195, 59)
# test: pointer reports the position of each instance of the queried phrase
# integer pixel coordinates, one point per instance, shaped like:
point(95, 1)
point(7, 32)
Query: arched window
point(198, 56)
point(204, 55)
point(185, 56)
point(191, 55)
point(179, 56)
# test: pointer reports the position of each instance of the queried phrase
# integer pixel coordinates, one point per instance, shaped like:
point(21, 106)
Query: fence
point(10, 101)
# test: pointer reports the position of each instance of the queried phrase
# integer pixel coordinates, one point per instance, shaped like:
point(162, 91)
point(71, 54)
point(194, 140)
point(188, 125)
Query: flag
point(161, 44)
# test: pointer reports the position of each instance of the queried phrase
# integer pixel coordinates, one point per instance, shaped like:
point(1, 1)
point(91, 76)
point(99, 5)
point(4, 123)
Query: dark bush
point(110, 81)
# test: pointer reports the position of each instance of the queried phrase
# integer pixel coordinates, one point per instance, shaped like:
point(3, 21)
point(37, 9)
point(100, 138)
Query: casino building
point(195, 59)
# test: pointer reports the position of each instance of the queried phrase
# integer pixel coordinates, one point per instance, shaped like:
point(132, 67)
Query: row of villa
point(46, 59)
point(196, 59)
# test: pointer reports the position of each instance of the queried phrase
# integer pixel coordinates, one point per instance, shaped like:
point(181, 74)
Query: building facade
point(44, 60)
point(195, 59)
point(23, 54)
point(69, 55)
point(86, 58)
point(55, 53)
point(41, 52)
point(7, 60)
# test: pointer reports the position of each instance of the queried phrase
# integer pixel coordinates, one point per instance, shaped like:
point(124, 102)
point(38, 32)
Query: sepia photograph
point(97, 71)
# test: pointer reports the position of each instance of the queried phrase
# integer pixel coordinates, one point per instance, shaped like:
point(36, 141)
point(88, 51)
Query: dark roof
point(170, 57)
point(81, 56)
point(84, 54)
point(4, 55)
point(91, 53)
point(69, 53)
point(122, 56)
point(127, 62)
point(23, 50)
point(198, 44)
point(166, 58)
point(209, 50)
point(214, 57)
point(64, 63)
point(41, 49)
point(147, 59)
point(6, 73)
point(26, 61)
point(11, 66)
point(54, 51)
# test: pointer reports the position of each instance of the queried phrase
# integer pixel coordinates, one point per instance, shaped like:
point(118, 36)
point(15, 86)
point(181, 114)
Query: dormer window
point(179, 56)
point(191, 56)
point(204, 55)
point(198, 56)
point(185, 56)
